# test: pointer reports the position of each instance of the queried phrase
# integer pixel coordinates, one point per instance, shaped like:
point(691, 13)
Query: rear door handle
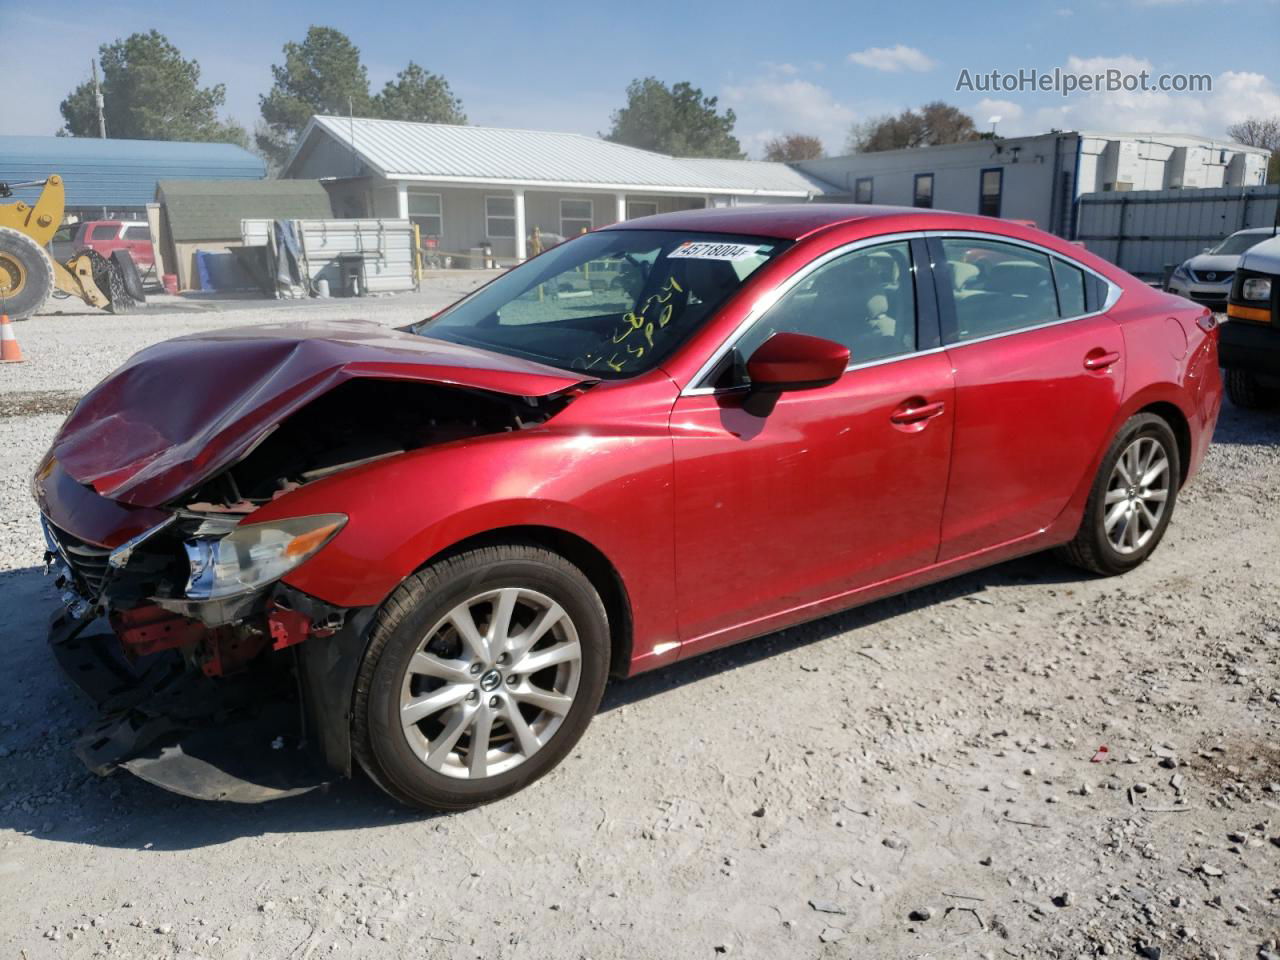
point(1100, 359)
point(915, 411)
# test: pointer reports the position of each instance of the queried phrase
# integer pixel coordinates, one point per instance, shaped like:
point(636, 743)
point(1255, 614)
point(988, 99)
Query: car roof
point(785, 221)
point(1252, 230)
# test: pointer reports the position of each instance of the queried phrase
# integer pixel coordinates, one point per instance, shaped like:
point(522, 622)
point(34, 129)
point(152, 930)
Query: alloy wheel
point(491, 683)
point(1137, 493)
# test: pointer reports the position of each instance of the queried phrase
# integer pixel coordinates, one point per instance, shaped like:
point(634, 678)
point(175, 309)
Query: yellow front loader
point(29, 273)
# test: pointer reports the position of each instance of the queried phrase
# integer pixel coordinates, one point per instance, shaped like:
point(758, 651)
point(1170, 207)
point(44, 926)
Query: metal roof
point(445, 153)
point(212, 209)
point(121, 173)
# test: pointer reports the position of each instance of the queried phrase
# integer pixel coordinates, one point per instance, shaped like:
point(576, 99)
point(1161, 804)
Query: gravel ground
point(910, 779)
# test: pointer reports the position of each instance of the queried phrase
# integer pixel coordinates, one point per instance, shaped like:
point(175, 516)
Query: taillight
point(1207, 322)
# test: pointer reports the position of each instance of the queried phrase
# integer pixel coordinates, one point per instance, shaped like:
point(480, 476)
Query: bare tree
point(934, 124)
point(1260, 132)
point(792, 147)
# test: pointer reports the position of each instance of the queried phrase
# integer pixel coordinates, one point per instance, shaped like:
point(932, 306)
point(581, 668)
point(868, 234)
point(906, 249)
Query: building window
point(862, 190)
point(575, 217)
point(923, 194)
point(499, 217)
point(426, 210)
point(991, 185)
point(641, 208)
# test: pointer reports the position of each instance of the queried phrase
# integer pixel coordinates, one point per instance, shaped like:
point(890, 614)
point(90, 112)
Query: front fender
point(612, 490)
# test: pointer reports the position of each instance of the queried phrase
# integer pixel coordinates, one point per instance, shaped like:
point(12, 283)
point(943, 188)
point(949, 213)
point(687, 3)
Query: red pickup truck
point(108, 236)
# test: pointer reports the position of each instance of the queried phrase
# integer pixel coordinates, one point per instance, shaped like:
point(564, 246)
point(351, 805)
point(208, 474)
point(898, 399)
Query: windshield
point(1238, 243)
point(611, 304)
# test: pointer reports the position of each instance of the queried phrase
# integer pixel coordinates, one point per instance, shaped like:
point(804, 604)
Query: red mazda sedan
point(433, 545)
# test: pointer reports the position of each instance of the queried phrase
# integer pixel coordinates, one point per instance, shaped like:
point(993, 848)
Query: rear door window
point(996, 288)
point(138, 234)
point(103, 232)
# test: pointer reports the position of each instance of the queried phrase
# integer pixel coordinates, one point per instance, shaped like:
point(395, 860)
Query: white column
point(521, 250)
point(402, 200)
point(620, 212)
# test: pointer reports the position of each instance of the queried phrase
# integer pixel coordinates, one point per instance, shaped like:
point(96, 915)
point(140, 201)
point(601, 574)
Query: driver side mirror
point(795, 361)
point(792, 361)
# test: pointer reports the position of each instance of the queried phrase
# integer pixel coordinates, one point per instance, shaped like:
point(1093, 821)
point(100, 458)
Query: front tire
point(26, 274)
point(1131, 500)
point(483, 671)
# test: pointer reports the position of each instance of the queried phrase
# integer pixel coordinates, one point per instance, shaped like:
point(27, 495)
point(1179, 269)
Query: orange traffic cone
point(10, 352)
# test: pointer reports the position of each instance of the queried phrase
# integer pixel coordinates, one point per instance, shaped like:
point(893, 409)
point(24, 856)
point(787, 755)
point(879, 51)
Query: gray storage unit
point(383, 248)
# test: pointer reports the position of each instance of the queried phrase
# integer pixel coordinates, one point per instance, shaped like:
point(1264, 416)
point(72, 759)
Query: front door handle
point(916, 410)
point(1100, 359)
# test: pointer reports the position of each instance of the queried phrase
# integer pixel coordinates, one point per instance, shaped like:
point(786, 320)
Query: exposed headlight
point(255, 554)
point(1256, 288)
point(1181, 272)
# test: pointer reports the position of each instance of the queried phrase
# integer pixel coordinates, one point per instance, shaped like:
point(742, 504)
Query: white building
point(1039, 178)
point(471, 186)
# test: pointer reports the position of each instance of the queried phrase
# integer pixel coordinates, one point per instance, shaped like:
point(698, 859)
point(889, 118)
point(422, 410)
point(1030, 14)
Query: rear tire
point(454, 706)
point(1247, 392)
point(26, 274)
point(1129, 508)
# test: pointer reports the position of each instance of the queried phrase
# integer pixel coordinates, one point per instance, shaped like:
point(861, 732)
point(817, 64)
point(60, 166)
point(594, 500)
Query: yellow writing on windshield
point(639, 320)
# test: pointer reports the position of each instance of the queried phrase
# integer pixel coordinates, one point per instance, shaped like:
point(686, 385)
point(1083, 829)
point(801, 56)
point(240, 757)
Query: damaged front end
point(188, 643)
point(213, 677)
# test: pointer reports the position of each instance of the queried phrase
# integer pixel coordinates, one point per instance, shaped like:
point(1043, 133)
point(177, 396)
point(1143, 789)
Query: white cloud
point(1008, 112)
point(1125, 63)
point(783, 69)
point(774, 105)
point(893, 59)
point(1234, 96)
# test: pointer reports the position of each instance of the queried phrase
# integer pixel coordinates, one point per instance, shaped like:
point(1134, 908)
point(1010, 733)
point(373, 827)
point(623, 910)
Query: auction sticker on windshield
point(707, 250)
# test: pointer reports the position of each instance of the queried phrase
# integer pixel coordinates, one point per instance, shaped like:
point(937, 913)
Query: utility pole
point(351, 127)
point(97, 99)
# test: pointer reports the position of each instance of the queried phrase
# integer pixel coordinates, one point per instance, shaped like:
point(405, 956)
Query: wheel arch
point(1171, 414)
point(583, 554)
point(1159, 400)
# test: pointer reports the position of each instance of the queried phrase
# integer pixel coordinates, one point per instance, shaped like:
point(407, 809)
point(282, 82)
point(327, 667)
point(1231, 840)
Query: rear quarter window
point(1071, 296)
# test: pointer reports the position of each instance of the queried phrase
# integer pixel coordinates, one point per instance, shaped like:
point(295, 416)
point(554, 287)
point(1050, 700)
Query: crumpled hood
point(180, 411)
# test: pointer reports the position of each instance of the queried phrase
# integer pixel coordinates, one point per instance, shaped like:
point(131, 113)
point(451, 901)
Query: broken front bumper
point(235, 714)
point(274, 731)
point(243, 699)
point(178, 729)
